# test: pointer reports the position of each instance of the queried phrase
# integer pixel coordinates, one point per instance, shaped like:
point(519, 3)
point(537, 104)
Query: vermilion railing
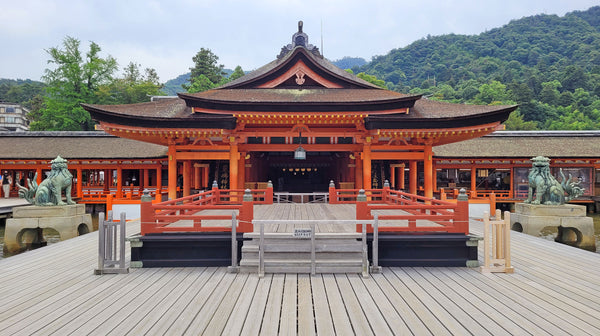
point(435, 215)
point(184, 214)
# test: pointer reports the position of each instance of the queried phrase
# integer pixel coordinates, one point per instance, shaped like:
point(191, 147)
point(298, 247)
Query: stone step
point(353, 246)
point(289, 235)
point(304, 255)
point(302, 266)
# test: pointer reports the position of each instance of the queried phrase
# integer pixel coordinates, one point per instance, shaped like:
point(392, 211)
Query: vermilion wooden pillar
point(358, 171)
point(38, 171)
point(187, 174)
point(233, 166)
point(412, 178)
point(196, 177)
point(158, 183)
point(366, 156)
point(119, 182)
point(428, 170)
point(473, 179)
point(401, 177)
point(145, 179)
point(242, 170)
point(79, 183)
point(172, 181)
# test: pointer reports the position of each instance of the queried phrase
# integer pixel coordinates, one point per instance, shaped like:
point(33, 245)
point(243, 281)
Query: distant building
point(13, 117)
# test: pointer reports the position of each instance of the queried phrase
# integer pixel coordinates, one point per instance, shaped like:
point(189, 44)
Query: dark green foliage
point(349, 62)
point(20, 91)
point(547, 64)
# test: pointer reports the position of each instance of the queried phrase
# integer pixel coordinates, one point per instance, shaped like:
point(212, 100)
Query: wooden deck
point(555, 291)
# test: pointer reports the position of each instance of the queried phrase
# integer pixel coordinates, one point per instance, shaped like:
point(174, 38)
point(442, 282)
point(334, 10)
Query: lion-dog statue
point(49, 192)
point(545, 189)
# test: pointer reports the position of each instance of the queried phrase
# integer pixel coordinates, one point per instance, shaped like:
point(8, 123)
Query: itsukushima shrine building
point(343, 129)
point(302, 123)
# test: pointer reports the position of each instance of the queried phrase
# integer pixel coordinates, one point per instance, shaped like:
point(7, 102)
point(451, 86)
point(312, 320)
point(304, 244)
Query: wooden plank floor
point(52, 291)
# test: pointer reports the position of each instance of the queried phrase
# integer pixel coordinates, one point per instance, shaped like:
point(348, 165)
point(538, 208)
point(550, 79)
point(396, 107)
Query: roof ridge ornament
point(299, 39)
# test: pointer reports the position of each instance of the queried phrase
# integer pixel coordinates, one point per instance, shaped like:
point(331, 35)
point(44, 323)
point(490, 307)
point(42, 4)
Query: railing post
point(443, 196)
point(375, 268)
point(332, 195)
point(269, 193)
point(385, 192)
point(147, 220)
point(365, 256)
point(216, 194)
point(109, 202)
point(261, 251)
point(362, 211)
point(234, 246)
point(247, 212)
point(461, 215)
point(492, 202)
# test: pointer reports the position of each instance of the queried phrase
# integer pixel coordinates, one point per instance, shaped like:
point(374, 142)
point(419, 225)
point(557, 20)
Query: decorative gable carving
point(301, 74)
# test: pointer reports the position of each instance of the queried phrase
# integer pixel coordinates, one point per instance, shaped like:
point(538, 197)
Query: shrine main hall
point(299, 122)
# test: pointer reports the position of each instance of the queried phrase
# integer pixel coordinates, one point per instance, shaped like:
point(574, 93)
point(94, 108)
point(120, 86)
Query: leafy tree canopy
point(206, 73)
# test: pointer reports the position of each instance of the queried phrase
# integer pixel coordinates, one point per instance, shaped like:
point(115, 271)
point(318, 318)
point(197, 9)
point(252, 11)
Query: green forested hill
point(550, 65)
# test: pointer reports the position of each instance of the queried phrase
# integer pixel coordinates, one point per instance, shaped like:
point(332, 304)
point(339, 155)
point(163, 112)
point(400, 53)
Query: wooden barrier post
point(492, 202)
point(269, 193)
point(109, 202)
point(332, 196)
point(147, 220)
point(362, 211)
point(461, 219)
point(496, 239)
point(246, 212)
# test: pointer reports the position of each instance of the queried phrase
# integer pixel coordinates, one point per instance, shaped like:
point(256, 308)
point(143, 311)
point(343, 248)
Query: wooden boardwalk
point(52, 291)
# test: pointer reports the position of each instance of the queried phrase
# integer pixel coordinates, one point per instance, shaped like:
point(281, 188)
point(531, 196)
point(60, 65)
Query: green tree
point(206, 72)
point(74, 80)
point(237, 73)
point(133, 87)
point(515, 122)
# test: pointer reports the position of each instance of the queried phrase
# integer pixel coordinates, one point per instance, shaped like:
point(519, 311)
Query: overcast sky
point(166, 34)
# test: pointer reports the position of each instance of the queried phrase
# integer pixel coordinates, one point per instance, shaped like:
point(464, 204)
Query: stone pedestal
point(574, 228)
point(23, 231)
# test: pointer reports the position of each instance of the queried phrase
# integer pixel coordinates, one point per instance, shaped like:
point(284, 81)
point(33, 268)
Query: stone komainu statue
point(545, 189)
point(49, 191)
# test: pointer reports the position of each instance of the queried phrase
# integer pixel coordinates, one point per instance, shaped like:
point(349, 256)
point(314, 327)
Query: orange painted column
point(119, 182)
point(393, 177)
point(187, 174)
point(196, 177)
point(205, 179)
point(234, 156)
point(358, 172)
point(401, 177)
point(172, 181)
point(366, 156)
point(412, 178)
point(79, 183)
point(158, 183)
point(428, 170)
point(39, 175)
point(473, 179)
point(242, 170)
point(145, 180)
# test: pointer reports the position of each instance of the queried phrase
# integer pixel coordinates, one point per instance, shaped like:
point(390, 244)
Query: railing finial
point(331, 184)
point(362, 197)
point(146, 196)
point(215, 185)
point(248, 195)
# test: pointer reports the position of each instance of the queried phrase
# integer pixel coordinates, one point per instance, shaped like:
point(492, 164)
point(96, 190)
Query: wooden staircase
point(286, 253)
